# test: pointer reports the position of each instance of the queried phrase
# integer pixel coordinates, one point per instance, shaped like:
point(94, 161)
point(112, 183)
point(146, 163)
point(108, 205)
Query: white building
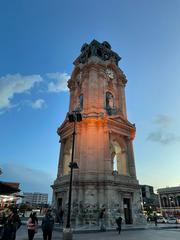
point(169, 199)
point(35, 198)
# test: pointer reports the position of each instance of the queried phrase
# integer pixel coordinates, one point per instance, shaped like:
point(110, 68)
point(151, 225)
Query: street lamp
point(74, 117)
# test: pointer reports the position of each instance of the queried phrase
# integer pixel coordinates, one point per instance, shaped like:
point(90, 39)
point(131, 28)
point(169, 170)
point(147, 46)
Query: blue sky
point(39, 42)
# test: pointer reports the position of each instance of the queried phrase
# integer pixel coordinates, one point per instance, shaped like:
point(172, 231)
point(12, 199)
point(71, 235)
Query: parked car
point(171, 220)
point(178, 220)
point(161, 219)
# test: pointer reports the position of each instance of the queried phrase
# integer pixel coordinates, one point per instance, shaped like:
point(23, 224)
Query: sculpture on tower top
point(97, 49)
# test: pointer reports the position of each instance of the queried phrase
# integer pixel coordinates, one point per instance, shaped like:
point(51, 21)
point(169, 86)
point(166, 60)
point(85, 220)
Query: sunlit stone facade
point(104, 143)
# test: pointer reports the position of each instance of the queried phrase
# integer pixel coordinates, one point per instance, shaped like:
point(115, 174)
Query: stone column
point(131, 161)
point(85, 91)
point(101, 91)
point(71, 86)
point(92, 89)
point(108, 167)
point(123, 101)
point(60, 163)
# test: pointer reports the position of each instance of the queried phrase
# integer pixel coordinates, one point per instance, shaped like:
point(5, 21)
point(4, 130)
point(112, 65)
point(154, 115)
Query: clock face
point(110, 73)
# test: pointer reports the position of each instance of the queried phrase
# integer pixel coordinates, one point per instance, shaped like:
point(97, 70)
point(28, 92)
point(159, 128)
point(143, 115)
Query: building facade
point(106, 177)
point(8, 193)
point(35, 198)
point(169, 200)
point(149, 199)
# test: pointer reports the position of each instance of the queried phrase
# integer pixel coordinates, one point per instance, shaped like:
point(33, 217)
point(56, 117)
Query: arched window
point(66, 158)
point(178, 200)
point(119, 159)
point(165, 203)
point(109, 100)
point(115, 163)
point(110, 106)
point(81, 101)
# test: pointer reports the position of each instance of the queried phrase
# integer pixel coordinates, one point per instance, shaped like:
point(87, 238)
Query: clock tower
point(106, 178)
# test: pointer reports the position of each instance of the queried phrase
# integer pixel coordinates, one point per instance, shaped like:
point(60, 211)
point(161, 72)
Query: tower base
point(118, 195)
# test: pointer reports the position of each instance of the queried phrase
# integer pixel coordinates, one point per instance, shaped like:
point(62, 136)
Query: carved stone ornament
point(100, 50)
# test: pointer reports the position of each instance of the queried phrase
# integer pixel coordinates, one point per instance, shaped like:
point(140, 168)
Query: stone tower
point(106, 177)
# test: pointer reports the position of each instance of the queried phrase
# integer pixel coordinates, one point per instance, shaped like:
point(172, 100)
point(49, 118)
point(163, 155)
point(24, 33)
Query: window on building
point(110, 104)
point(115, 163)
point(178, 201)
point(81, 101)
point(119, 158)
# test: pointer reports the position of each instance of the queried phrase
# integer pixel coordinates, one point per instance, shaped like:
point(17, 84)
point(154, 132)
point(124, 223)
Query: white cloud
point(12, 84)
point(38, 104)
point(59, 82)
point(15, 84)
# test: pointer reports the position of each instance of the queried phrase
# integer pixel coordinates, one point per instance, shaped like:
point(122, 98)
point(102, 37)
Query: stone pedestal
point(67, 234)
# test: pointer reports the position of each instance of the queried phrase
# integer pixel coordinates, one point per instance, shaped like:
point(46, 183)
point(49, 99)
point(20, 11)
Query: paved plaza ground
point(146, 234)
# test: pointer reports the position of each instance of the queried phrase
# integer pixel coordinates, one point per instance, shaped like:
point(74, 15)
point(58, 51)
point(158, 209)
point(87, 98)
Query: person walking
point(102, 220)
point(32, 225)
point(47, 225)
point(155, 219)
point(119, 222)
point(11, 226)
point(2, 222)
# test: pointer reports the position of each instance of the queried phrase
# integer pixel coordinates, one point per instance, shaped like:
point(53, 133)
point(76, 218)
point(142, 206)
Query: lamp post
point(74, 117)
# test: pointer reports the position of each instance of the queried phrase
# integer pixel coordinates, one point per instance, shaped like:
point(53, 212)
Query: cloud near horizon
point(162, 134)
point(12, 84)
point(31, 180)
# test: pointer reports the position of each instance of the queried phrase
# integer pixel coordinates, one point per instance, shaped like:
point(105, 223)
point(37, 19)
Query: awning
point(9, 187)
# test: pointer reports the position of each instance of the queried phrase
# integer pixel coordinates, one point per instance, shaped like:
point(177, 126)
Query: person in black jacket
point(155, 219)
point(11, 226)
point(47, 225)
point(102, 220)
point(2, 222)
point(119, 222)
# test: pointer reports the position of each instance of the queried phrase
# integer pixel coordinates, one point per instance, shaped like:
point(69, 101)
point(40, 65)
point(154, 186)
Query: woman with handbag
point(32, 225)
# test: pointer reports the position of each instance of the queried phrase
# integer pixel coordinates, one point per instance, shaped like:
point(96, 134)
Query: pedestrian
point(155, 219)
point(102, 220)
point(2, 222)
point(32, 225)
point(47, 225)
point(11, 226)
point(119, 222)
